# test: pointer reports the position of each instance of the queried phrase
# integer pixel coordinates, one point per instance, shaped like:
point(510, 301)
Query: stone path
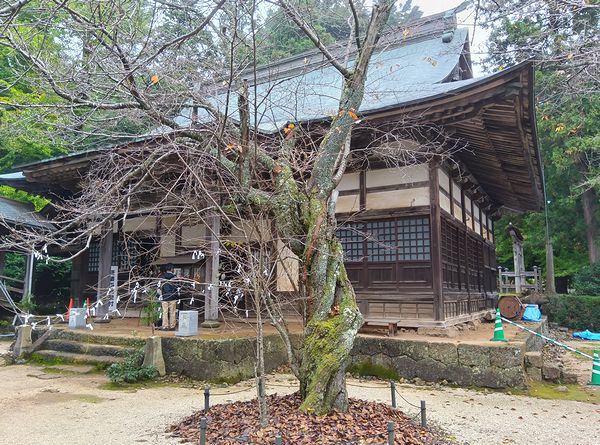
point(74, 409)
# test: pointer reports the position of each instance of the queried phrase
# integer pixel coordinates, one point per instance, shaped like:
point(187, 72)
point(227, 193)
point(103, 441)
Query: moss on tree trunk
point(334, 322)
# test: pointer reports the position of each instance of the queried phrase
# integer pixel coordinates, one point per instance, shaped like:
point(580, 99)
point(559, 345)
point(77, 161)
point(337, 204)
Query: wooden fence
point(510, 283)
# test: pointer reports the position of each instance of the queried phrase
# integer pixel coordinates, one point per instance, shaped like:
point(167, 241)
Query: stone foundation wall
point(228, 360)
point(493, 366)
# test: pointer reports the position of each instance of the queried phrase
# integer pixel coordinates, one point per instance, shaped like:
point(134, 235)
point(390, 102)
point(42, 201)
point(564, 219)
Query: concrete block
point(569, 377)
point(23, 342)
point(473, 355)
point(534, 374)
point(153, 355)
point(77, 318)
point(533, 359)
point(188, 324)
point(551, 372)
point(506, 356)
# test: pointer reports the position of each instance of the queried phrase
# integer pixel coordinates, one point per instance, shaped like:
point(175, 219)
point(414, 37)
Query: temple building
point(418, 238)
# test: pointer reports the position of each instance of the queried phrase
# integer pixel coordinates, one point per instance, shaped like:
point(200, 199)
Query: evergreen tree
point(563, 41)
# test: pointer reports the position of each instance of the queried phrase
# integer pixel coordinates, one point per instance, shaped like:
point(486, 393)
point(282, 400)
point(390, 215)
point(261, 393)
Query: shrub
point(587, 280)
point(131, 369)
point(578, 312)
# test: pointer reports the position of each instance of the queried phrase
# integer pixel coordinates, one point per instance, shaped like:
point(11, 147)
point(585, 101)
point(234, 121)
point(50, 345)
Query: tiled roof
point(396, 75)
point(18, 213)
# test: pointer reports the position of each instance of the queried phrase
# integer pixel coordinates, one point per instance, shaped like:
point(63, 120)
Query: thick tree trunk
point(335, 317)
point(590, 201)
point(332, 312)
point(330, 333)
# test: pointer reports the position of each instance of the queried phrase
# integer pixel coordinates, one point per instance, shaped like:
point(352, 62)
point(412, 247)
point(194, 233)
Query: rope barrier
point(548, 339)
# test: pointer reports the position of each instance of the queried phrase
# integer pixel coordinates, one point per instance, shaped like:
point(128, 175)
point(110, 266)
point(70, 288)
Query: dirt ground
point(65, 406)
point(132, 327)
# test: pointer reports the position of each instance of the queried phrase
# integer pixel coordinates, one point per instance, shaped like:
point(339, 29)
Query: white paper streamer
point(62, 318)
point(89, 326)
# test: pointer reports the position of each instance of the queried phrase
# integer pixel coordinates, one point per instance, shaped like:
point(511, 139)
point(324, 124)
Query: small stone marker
point(23, 342)
point(153, 354)
point(77, 318)
point(188, 324)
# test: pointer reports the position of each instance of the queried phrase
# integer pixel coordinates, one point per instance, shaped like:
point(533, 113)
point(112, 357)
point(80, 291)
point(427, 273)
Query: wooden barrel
point(511, 307)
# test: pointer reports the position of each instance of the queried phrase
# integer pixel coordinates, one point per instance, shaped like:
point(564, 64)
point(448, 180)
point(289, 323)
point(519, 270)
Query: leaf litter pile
point(365, 423)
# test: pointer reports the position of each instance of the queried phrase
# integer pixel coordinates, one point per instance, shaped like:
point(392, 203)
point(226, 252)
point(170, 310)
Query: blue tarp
point(587, 335)
point(532, 313)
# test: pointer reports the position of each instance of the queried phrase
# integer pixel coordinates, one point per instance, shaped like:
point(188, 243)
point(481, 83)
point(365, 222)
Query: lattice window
point(381, 244)
point(352, 238)
point(414, 239)
point(93, 257)
point(406, 239)
point(124, 254)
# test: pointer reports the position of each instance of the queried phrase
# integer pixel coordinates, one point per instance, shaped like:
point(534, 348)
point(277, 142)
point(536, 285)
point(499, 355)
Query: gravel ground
point(42, 408)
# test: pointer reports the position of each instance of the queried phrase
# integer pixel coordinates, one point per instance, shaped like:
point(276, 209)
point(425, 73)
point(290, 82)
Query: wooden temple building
point(419, 239)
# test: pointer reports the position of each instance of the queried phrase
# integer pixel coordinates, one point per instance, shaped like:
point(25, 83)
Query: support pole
point(206, 399)
point(393, 390)
point(203, 431)
point(550, 283)
point(423, 414)
point(390, 431)
point(104, 270)
point(28, 285)
point(211, 302)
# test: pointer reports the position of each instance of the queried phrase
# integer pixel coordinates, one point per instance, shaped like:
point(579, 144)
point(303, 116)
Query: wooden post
point(104, 270)
point(436, 236)
point(2, 262)
point(211, 301)
point(75, 282)
point(28, 285)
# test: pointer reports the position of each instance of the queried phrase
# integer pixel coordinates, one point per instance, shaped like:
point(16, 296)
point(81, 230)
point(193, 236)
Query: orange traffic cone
point(71, 304)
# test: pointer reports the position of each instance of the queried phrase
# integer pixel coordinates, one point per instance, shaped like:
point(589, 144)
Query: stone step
point(71, 357)
point(86, 348)
point(93, 338)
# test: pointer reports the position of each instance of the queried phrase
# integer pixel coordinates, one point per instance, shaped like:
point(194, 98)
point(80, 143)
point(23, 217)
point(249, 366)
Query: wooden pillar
point(28, 285)
point(436, 236)
point(211, 299)
point(76, 270)
point(104, 269)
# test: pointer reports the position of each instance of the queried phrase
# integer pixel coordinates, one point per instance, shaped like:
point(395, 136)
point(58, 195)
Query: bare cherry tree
point(165, 83)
